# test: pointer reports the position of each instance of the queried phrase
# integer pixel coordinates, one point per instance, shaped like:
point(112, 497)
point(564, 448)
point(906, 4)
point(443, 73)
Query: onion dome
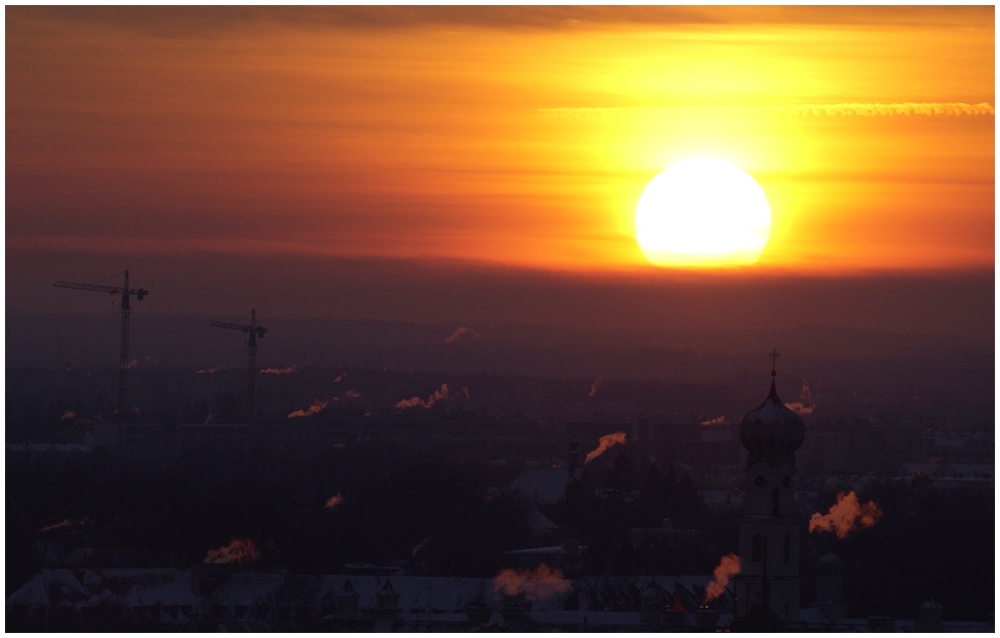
point(772, 432)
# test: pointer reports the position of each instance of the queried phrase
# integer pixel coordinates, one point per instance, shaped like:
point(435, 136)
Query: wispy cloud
point(843, 109)
point(188, 22)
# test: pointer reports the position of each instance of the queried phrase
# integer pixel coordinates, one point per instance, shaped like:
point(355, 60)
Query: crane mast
point(255, 331)
point(123, 361)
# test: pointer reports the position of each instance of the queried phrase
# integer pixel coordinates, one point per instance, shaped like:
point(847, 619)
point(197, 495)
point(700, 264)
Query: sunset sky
point(489, 136)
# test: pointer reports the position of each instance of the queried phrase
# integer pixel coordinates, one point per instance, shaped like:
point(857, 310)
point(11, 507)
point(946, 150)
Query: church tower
point(767, 587)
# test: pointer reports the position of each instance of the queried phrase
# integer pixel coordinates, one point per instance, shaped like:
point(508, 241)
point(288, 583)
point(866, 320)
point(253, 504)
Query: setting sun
point(702, 212)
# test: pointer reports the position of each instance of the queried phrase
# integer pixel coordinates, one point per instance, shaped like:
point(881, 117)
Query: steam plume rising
point(334, 501)
point(209, 370)
point(593, 386)
point(461, 330)
point(846, 516)
point(318, 406)
point(608, 440)
point(292, 369)
point(805, 403)
point(423, 544)
point(718, 419)
point(536, 585)
point(237, 551)
point(729, 565)
point(67, 523)
point(439, 394)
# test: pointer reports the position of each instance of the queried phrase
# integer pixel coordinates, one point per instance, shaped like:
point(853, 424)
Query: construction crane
point(123, 361)
point(255, 331)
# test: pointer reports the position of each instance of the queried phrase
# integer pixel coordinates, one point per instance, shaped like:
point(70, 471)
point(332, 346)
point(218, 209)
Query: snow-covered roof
point(247, 600)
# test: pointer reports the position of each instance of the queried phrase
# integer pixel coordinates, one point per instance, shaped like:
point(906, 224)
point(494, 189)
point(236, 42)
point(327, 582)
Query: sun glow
point(702, 212)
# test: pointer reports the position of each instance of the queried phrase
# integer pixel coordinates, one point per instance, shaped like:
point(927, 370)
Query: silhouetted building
point(767, 588)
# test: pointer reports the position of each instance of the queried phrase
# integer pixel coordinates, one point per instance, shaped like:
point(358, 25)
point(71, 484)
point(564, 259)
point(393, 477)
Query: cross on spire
point(774, 357)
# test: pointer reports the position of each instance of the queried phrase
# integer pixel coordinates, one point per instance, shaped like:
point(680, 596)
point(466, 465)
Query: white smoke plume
point(461, 330)
point(318, 406)
point(439, 394)
point(237, 551)
point(729, 565)
point(66, 522)
point(593, 386)
point(845, 516)
point(536, 585)
point(805, 403)
point(422, 545)
point(292, 369)
point(607, 441)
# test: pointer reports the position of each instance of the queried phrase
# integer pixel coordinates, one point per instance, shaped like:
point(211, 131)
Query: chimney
point(673, 618)
point(707, 619)
point(513, 608)
point(347, 601)
point(574, 455)
point(205, 577)
point(881, 624)
point(479, 611)
point(931, 614)
point(829, 578)
point(387, 601)
point(652, 602)
point(570, 562)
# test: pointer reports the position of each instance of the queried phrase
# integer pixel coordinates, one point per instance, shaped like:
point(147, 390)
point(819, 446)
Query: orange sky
point(513, 135)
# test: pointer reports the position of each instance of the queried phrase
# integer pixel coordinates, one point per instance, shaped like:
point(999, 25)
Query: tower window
point(757, 549)
point(786, 550)
point(775, 497)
